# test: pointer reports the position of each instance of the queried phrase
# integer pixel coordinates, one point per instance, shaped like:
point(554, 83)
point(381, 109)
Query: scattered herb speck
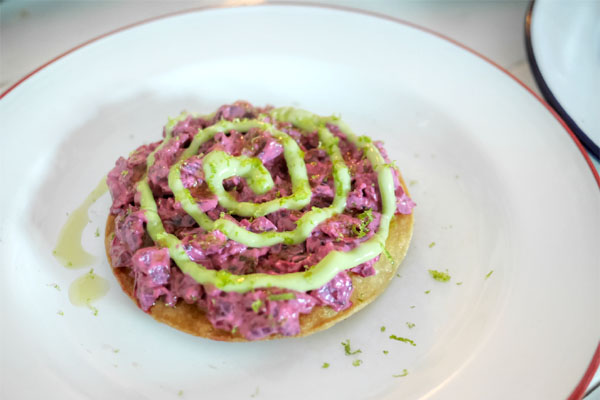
point(366, 217)
point(325, 365)
point(256, 305)
point(356, 363)
point(94, 309)
point(489, 274)
point(427, 291)
point(382, 329)
point(348, 350)
point(282, 296)
point(386, 352)
point(431, 244)
point(388, 255)
point(458, 283)
point(410, 325)
point(60, 313)
point(402, 374)
point(403, 339)
point(439, 275)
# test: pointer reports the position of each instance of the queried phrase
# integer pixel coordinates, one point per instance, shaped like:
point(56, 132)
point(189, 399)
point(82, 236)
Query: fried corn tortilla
point(191, 319)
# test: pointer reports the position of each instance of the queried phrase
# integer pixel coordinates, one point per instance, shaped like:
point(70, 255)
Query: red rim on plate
point(579, 390)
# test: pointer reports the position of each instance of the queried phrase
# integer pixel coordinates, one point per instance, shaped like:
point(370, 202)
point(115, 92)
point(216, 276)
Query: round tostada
point(256, 223)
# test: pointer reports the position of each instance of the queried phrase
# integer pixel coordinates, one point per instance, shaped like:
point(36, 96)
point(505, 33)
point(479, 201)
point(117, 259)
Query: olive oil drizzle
point(86, 289)
point(69, 250)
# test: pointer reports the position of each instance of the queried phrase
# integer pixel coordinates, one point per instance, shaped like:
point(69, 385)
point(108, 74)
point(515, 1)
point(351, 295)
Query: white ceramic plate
point(500, 185)
point(564, 50)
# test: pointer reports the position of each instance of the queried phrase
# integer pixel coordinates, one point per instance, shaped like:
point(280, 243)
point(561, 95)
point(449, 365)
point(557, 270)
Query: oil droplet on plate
point(69, 250)
point(86, 289)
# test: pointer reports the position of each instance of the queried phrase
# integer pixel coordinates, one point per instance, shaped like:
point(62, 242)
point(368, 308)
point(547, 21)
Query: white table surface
point(34, 32)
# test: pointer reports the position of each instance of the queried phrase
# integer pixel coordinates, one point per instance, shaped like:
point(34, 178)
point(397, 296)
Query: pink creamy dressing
point(252, 314)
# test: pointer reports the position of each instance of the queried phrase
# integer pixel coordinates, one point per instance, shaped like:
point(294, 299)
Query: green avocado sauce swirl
point(218, 166)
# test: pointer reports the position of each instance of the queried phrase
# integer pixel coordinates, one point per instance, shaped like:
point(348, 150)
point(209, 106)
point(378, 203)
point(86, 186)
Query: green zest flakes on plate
point(402, 339)
point(356, 363)
point(439, 276)
point(348, 350)
point(410, 325)
point(458, 283)
point(382, 329)
point(401, 375)
point(386, 352)
point(427, 291)
point(489, 274)
point(431, 244)
point(325, 365)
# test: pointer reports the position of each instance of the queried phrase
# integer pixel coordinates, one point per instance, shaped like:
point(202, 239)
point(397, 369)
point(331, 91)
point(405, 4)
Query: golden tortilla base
point(190, 319)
